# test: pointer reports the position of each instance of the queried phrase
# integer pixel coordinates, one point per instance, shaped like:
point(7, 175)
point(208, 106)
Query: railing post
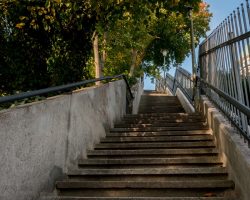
point(236, 72)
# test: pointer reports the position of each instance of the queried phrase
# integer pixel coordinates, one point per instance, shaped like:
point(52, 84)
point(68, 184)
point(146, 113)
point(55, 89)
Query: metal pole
point(192, 44)
point(193, 57)
point(164, 75)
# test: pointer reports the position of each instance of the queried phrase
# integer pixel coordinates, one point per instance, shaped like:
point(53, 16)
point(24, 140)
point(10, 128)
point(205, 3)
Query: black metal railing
point(162, 84)
point(182, 80)
point(224, 61)
point(67, 88)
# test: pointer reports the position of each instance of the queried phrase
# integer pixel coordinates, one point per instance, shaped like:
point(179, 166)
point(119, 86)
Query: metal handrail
point(61, 88)
point(234, 102)
point(174, 82)
point(241, 107)
point(184, 73)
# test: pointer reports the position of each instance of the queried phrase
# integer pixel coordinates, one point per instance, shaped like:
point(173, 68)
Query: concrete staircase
point(161, 153)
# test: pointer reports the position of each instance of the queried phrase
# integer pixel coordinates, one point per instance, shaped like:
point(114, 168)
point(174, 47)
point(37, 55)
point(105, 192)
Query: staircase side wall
point(41, 141)
point(234, 152)
point(184, 101)
point(137, 91)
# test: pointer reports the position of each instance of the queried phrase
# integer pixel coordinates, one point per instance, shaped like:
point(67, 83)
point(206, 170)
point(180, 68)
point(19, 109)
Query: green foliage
point(171, 31)
point(44, 43)
point(49, 42)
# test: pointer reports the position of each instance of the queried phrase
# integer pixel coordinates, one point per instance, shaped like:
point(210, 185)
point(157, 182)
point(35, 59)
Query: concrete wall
point(184, 101)
point(234, 152)
point(137, 91)
point(41, 141)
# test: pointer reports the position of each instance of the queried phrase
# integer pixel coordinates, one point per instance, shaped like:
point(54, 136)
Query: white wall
point(234, 153)
point(41, 141)
point(137, 91)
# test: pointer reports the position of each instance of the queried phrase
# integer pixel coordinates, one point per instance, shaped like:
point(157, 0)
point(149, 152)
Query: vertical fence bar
point(224, 60)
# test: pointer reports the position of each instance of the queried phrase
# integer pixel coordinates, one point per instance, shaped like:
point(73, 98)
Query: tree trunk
point(96, 57)
point(104, 52)
point(133, 63)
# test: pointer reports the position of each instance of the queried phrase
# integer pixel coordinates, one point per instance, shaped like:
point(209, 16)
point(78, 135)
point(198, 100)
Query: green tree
point(49, 42)
point(45, 43)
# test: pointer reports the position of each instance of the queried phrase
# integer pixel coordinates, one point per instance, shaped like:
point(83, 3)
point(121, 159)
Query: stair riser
point(157, 145)
point(162, 133)
point(133, 198)
point(150, 166)
point(151, 152)
point(176, 161)
point(155, 101)
point(149, 156)
point(163, 115)
point(161, 111)
point(154, 129)
point(155, 139)
point(141, 125)
point(159, 120)
point(153, 120)
point(140, 192)
point(169, 107)
point(146, 178)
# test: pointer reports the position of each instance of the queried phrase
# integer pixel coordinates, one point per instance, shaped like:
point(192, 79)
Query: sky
point(220, 9)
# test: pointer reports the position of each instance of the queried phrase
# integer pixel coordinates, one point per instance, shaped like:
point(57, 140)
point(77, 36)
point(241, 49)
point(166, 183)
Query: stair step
point(149, 174)
point(152, 129)
point(143, 189)
point(131, 198)
point(167, 115)
point(160, 103)
point(160, 120)
point(67, 184)
point(161, 110)
point(164, 119)
point(166, 152)
point(158, 98)
point(158, 107)
point(169, 124)
point(147, 162)
point(145, 104)
point(152, 171)
point(156, 145)
point(158, 139)
point(162, 133)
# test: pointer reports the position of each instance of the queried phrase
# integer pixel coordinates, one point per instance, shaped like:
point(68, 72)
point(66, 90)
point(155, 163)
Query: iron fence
point(224, 61)
point(181, 80)
point(163, 84)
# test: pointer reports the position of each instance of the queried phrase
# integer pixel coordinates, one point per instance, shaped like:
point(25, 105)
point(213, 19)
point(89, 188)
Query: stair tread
point(163, 115)
point(169, 124)
point(162, 133)
point(142, 184)
point(132, 198)
point(159, 138)
point(153, 145)
point(151, 129)
point(148, 161)
point(153, 152)
point(152, 171)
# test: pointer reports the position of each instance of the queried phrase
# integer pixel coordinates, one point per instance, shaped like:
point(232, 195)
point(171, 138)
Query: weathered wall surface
point(41, 141)
point(137, 91)
point(184, 101)
point(234, 152)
